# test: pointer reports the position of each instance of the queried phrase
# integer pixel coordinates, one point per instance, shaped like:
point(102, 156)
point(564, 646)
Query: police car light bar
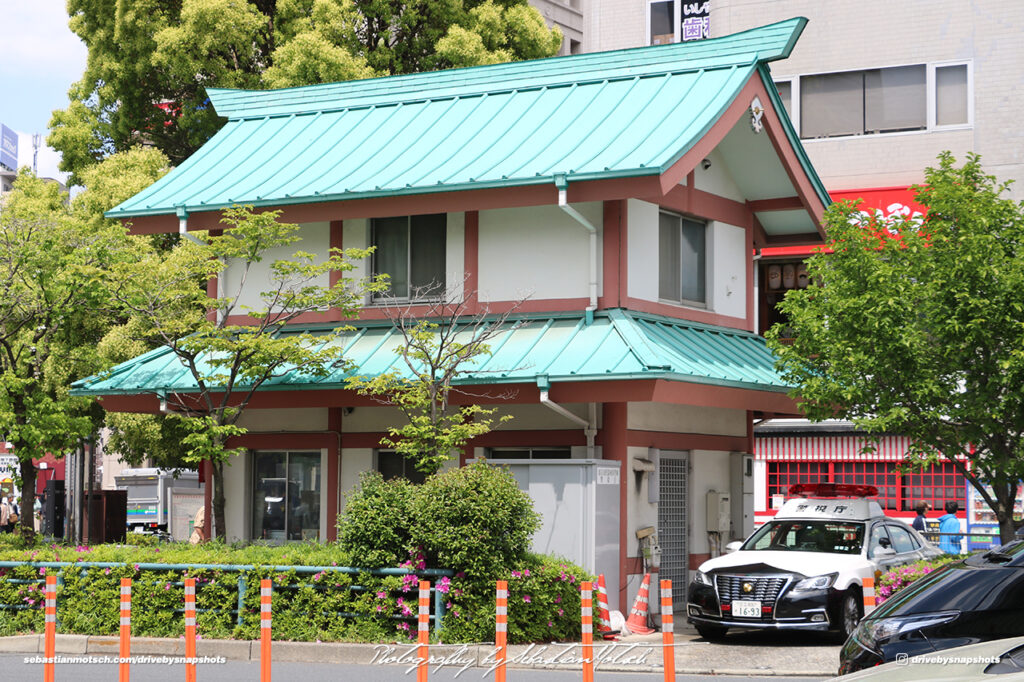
point(832, 490)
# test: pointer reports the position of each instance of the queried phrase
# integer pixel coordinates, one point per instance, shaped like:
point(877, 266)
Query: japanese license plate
point(746, 609)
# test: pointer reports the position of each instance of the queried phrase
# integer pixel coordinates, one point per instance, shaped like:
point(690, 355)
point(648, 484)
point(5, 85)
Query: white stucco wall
point(642, 250)
point(284, 419)
point(728, 269)
point(686, 419)
point(716, 178)
point(709, 470)
point(315, 238)
point(539, 252)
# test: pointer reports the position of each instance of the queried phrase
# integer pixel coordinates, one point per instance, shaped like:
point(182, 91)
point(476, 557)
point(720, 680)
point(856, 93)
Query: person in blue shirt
point(948, 523)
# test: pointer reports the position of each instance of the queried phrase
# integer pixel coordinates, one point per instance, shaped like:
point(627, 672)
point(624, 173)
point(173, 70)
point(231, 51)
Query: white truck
point(149, 498)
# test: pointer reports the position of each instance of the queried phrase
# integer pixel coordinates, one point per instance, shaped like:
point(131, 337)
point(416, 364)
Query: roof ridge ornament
point(756, 112)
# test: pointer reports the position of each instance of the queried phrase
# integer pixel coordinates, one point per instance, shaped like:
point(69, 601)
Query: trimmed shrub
point(891, 582)
point(376, 524)
point(473, 519)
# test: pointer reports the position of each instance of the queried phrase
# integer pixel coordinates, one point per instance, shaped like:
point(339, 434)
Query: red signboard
point(888, 200)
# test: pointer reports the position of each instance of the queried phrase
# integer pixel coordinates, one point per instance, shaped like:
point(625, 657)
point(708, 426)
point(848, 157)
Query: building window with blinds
point(894, 99)
point(411, 251)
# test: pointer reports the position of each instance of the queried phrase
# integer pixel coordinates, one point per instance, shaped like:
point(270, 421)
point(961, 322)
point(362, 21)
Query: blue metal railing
point(436, 617)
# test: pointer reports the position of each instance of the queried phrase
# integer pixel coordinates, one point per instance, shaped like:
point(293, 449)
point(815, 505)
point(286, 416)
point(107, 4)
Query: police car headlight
point(818, 582)
point(702, 578)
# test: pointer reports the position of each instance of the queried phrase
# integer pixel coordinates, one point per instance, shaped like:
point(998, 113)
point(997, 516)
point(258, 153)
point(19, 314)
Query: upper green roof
point(594, 116)
point(617, 345)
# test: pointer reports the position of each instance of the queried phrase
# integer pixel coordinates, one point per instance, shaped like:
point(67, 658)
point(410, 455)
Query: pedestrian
point(919, 523)
point(949, 529)
point(5, 516)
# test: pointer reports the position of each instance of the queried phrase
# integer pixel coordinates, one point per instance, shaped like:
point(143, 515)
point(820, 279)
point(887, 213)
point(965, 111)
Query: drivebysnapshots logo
point(904, 659)
point(61, 659)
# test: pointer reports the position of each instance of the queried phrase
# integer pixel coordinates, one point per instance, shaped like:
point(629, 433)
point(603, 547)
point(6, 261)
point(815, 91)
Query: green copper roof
point(616, 345)
point(595, 116)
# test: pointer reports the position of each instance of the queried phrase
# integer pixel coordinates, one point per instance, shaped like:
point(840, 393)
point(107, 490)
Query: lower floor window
point(286, 496)
point(936, 484)
point(392, 464)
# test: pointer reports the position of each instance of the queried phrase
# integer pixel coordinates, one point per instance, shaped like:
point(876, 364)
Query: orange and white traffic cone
point(605, 628)
point(637, 621)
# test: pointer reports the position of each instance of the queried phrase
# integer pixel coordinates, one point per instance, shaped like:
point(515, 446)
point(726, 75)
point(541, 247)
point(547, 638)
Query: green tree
point(916, 326)
point(55, 306)
point(438, 345)
point(150, 61)
point(230, 360)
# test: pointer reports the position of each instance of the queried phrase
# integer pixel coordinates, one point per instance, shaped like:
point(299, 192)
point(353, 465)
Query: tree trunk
point(219, 527)
point(1007, 528)
point(26, 516)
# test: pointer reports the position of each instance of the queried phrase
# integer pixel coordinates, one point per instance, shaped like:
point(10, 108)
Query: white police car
point(805, 568)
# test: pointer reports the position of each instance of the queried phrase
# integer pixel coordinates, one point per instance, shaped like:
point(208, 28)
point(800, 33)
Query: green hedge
point(891, 582)
point(473, 520)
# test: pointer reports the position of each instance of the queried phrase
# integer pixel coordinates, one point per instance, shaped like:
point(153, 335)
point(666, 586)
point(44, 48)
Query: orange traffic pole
point(869, 595)
point(190, 629)
point(501, 629)
point(587, 613)
point(668, 643)
point(423, 632)
point(126, 630)
point(50, 620)
point(265, 591)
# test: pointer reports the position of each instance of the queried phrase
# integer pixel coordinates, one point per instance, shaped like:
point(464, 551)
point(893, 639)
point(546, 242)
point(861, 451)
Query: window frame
point(418, 476)
point(435, 294)
point(930, 104)
point(504, 452)
point(286, 500)
point(706, 304)
point(677, 28)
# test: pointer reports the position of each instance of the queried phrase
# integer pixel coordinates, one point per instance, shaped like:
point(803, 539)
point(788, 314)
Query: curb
point(521, 656)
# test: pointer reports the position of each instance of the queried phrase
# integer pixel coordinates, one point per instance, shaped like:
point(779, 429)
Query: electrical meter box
point(719, 512)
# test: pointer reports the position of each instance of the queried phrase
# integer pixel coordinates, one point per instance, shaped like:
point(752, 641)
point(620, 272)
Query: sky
point(39, 60)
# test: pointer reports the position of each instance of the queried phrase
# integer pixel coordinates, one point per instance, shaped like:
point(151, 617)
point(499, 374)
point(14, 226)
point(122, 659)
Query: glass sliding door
point(286, 496)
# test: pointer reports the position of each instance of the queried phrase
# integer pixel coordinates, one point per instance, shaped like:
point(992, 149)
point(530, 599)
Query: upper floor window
point(673, 21)
point(411, 249)
point(875, 101)
point(529, 453)
point(682, 259)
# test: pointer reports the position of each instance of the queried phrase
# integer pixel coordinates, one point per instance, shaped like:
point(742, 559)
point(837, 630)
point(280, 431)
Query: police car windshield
point(799, 535)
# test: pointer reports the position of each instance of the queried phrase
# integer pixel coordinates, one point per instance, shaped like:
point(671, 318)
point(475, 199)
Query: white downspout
point(589, 425)
point(562, 184)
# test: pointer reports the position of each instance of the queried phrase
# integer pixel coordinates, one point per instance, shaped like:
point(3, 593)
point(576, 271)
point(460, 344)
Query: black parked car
point(977, 599)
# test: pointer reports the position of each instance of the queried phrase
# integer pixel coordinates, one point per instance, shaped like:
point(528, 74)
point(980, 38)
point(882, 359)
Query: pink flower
point(443, 585)
point(382, 595)
point(558, 599)
point(526, 572)
point(406, 611)
point(516, 574)
point(550, 624)
point(561, 612)
point(526, 598)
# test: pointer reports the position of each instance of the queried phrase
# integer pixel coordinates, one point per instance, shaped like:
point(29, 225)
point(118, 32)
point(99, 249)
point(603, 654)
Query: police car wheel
point(711, 632)
point(849, 614)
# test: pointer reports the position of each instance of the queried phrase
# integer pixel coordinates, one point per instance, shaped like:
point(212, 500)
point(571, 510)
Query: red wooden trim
point(612, 390)
point(335, 276)
point(612, 274)
point(750, 433)
point(697, 559)
point(633, 565)
point(804, 239)
point(615, 423)
point(211, 292)
point(696, 202)
point(684, 313)
point(471, 261)
point(623, 253)
point(685, 441)
point(418, 204)
point(760, 236)
point(776, 204)
point(334, 418)
point(362, 440)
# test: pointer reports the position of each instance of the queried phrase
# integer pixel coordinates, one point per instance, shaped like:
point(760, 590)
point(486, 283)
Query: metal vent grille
point(730, 587)
point(672, 482)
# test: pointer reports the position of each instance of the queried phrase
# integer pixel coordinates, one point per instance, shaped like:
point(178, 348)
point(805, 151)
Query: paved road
point(13, 668)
